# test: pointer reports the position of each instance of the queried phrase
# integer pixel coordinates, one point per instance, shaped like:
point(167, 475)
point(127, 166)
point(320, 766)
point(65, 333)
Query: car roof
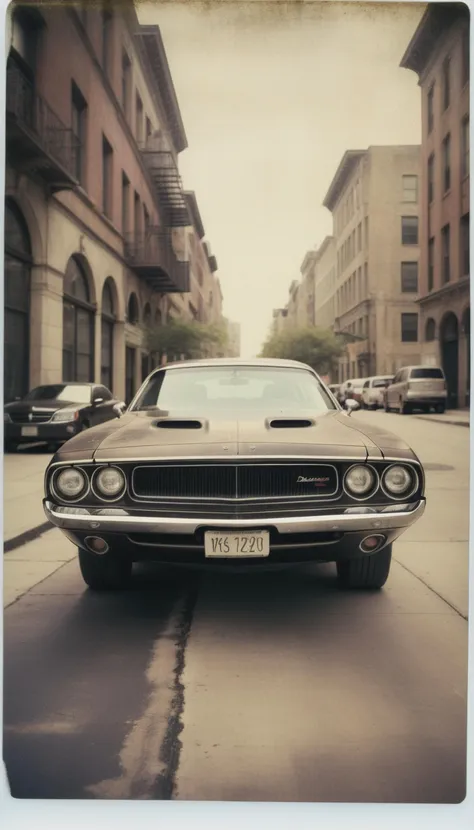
point(269, 362)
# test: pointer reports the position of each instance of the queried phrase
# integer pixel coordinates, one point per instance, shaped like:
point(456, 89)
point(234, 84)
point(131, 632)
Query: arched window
point(107, 334)
point(17, 272)
point(430, 330)
point(78, 324)
point(132, 310)
point(147, 315)
point(158, 317)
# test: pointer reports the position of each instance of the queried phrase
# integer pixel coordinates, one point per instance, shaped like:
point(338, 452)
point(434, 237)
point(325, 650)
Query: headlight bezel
point(56, 492)
point(96, 490)
point(407, 494)
point(370, 493)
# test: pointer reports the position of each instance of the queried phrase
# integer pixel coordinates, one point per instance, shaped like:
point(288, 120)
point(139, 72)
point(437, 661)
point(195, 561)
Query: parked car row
point(412, 387)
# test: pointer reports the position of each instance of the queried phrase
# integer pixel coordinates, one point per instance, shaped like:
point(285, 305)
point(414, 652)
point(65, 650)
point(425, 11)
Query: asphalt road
point(271, 687)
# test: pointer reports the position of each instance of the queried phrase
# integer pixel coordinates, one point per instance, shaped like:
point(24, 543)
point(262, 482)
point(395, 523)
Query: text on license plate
point(29, 432)
point(242, 543)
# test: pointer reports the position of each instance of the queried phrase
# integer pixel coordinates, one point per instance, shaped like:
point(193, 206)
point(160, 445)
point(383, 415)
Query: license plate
point(235, 545)
point(29, 432)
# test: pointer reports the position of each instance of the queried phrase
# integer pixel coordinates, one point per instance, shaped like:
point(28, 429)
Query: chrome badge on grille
point(318, 481)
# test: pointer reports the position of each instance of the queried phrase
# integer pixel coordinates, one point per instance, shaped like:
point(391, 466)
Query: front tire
point(405, 408)
point(441, 408)
point(369, 572)
point(104, 573)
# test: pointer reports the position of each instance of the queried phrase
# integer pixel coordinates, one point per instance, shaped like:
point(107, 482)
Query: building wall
point(72, 223)
point(369, 302)
point(441, 297)
point(325, 284)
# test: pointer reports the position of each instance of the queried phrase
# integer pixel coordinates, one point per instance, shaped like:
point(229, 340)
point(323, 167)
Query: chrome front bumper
point(118, 520)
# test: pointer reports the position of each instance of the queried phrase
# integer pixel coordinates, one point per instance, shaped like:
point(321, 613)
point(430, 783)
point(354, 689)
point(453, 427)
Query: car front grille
point(32, 418)
point(226, 481)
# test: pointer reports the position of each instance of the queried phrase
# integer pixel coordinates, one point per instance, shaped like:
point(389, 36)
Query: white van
point(373, 391)
point(417, 387)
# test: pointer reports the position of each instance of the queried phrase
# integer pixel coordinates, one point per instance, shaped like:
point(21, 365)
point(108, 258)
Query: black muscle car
point(52, 414)
point(235, 462)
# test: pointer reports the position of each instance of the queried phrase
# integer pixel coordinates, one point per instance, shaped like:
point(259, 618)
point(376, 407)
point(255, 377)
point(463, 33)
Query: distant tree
point(190, 340)
point(319, 348)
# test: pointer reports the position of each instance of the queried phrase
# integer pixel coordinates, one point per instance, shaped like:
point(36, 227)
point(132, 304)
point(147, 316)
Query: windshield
point(427, 373)
point(60, 392)
point(381, 382)
point(214, 389)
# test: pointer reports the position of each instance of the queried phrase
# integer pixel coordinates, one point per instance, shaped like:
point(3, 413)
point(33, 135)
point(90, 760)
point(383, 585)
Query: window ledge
point(447, 193)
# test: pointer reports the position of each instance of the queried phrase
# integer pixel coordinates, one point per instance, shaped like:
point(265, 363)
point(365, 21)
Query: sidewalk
point(23, 475)
point(458, 417)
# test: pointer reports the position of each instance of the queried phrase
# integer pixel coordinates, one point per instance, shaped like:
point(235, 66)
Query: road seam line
point(460, 613)
point(27, 591)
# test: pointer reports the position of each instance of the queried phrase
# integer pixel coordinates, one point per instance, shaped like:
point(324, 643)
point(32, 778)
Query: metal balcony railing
point(152, 257)
point(36, 135)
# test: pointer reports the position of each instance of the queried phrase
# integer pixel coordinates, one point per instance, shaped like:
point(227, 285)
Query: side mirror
point(351, 405)
point(119, 409)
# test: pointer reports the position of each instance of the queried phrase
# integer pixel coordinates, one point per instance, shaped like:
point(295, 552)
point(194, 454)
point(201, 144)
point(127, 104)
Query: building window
point(137, 216)
point(107, 335)
point(17, 275)
point(409, 277)
point(409, 328)
point(366, 279)
point(139, 119)
point(431, 258)
point(465, 147)
point(106, 41)
point(430, 108)
point(148, 128)
point(430, 330)
point(133, 314)
point(445, 253)
point(431, 173)
point(78, 125)
point(359, 237)
point(125, 204)
point(446, 83)
point(409, 230)
point(465, 267)
point(146, 222)
point(126, 83)
point(465, 56)
point(78, 325)
point(447, 163)
point(410, 188)
point(107, 172)
point(366, 231)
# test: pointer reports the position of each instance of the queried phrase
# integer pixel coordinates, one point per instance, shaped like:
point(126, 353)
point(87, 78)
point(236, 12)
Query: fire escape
point(151, 255)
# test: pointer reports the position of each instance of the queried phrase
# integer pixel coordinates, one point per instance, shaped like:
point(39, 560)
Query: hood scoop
point(289, 423)
point(179, 423)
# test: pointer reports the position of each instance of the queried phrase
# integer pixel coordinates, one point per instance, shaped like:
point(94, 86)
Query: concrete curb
point(26, 536)
point(439, 421)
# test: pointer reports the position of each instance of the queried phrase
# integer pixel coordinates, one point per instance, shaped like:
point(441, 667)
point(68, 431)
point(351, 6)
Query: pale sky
point(271, 96)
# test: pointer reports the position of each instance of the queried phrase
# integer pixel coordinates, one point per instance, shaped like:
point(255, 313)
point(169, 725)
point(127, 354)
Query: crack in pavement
point(430, 588)
point(149, 757)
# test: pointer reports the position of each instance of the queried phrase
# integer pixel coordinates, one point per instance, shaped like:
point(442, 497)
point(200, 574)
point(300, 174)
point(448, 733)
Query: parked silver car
point(417, 387)
point(373, 391)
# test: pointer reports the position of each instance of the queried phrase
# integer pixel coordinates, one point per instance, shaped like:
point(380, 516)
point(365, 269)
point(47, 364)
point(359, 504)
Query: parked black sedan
point(54, 413)
point(235, 462)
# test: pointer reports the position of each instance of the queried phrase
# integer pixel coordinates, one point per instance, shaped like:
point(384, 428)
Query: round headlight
point(109, 482)
point(359, 481)
point(398, 480)
point(70, 483)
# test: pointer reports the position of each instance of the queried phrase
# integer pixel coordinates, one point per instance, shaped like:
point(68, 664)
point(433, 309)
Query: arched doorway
point(107, 334)
point(449, 345)
point(78, 324)
point(18, 261)
point(466, 327)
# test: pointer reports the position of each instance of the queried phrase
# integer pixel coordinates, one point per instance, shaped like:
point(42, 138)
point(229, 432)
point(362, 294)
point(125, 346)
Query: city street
point(270, 687)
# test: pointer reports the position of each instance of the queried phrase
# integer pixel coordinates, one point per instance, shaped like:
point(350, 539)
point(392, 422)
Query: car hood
point(138, 435)
point(20, 407)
